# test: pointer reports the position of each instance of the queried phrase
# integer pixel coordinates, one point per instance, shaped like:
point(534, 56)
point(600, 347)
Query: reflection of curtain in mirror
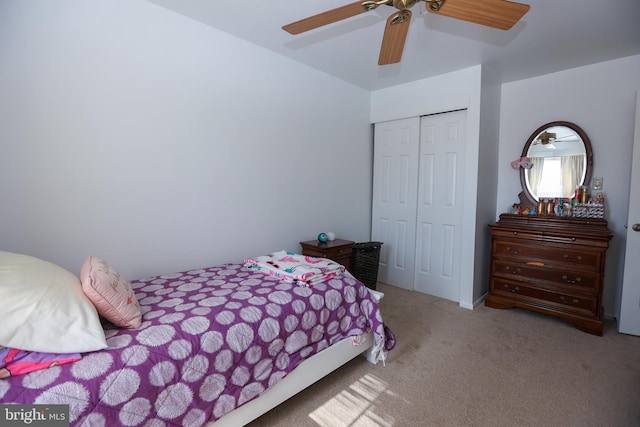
point(572, 170)
point(535, 174)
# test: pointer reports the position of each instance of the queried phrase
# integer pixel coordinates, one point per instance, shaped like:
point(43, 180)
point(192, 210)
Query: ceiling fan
point(546, 138)
point(501, 14)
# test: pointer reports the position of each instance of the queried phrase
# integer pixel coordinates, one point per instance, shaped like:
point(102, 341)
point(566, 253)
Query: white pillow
point(43, 308)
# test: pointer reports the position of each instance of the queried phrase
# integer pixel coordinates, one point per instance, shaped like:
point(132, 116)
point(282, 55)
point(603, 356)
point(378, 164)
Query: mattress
point(211, 340)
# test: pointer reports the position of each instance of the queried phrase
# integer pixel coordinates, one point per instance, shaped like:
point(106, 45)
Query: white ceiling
point(552, 36)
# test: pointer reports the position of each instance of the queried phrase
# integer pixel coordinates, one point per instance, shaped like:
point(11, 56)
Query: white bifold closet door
point(417, 202)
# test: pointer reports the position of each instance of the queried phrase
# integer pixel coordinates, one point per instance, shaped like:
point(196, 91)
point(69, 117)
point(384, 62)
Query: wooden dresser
point(550, 265)
point(338, 250)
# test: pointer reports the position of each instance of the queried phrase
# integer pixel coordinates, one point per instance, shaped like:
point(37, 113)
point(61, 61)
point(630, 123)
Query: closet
point(418, 203)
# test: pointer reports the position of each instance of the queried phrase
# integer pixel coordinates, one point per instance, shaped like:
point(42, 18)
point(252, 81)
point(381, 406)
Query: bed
point(216, 346)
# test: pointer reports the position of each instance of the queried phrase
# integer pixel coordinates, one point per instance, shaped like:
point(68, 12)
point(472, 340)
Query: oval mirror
point(562, 159)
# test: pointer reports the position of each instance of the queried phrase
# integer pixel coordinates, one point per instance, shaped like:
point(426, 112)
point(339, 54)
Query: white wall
point(135, 134)
point(159, 144)
point(599, 98)
point(452, 91)
point(487, 180)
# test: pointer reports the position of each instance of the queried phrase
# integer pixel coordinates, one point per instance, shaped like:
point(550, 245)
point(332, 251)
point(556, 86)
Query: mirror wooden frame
point(526, 198)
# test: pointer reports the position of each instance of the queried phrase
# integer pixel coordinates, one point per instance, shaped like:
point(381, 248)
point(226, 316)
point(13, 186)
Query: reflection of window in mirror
point(555, 177)
point(550, 185)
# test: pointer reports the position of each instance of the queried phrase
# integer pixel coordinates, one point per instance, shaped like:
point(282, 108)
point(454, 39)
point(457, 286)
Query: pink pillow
point(110, 293)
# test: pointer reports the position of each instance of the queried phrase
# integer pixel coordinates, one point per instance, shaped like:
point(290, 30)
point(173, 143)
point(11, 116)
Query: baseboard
point(476, 303)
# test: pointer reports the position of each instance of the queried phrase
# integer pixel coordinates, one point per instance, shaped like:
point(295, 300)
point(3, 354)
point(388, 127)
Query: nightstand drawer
point(328, 253)
point(338, 250)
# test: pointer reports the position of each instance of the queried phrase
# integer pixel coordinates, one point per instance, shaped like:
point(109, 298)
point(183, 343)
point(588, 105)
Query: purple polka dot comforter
point(211, 340)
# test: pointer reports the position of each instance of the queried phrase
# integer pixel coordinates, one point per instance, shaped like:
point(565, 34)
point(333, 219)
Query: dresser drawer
point(519, 235)
point(551, 237)
point(568, 258)
point(571, 280)
point(579, 304)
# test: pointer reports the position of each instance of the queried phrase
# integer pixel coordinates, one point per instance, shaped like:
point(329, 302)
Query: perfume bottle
point(584, 194)
point(551, 206)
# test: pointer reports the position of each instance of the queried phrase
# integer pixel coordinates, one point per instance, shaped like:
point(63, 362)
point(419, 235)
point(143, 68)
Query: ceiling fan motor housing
point(404, 4)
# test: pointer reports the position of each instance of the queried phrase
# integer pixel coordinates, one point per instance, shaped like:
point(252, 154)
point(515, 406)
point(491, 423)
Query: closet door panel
point(440, 206)
point(395, 182)
point(423, 264)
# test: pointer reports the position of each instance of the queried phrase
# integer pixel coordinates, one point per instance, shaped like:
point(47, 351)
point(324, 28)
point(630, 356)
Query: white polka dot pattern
point(211, 339)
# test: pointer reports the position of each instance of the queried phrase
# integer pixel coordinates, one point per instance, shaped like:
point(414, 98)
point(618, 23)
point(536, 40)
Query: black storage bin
point(365, 258)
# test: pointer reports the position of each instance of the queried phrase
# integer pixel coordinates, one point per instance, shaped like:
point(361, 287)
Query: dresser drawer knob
point(566, 300)
point(568, 258)
point(574, 281)
point(512, 290)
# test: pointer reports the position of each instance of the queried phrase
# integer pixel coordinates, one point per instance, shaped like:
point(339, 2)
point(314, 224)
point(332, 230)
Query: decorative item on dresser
point(550, 265)
point(338, 250)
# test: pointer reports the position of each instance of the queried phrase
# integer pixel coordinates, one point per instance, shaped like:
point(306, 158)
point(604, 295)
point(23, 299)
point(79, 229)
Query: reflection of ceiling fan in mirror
point(546, 138)
point(501, 14)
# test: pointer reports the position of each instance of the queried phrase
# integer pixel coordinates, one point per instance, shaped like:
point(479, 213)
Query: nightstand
point(338, 250)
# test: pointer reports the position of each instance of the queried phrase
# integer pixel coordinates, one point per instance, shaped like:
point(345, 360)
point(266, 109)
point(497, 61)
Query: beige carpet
point(486, 367)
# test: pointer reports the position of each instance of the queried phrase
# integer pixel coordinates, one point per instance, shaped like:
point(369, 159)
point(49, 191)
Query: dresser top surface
point(586, 226)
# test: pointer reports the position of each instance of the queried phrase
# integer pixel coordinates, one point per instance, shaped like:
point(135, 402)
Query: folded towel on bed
point(295, 268)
